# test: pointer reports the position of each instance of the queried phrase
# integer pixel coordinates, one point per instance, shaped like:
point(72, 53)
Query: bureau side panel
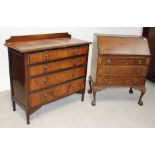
point(17, 76)
point(94, 59)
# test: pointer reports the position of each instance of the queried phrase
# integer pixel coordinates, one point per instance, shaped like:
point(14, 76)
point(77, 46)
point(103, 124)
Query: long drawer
point(113, 80)
point(122, 60)
point(56, 78)
point(46, 56)
point(56, 92)
point(122, 70)
point(57, 65)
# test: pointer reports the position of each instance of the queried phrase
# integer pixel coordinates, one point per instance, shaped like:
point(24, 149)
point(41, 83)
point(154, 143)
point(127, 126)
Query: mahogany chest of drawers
point(44, 68)
point(119, 61)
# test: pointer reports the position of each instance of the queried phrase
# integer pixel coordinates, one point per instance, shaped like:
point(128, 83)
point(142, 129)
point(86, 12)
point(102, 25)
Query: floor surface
point(115, 108)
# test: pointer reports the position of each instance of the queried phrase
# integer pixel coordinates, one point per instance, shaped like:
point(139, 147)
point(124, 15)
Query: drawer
point(123, 61)
point(122, 70)
point(57, 65)
point(50, 55)
point(117, 80)
point(56, 78)
point(56, 92)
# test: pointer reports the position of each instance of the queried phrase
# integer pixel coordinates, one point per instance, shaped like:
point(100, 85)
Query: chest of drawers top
point(35, 43)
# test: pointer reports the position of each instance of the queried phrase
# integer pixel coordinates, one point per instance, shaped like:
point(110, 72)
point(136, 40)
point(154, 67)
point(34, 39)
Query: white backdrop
point(84, 33)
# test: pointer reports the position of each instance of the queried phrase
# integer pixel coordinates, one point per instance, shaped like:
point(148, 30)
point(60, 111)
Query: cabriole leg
point(93, 103)
point(90, 85)
point(143, 91)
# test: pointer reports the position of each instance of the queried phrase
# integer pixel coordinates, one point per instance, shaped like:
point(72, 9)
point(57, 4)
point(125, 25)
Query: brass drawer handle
point(108, 61)
point(135, 81)
point(76, 51)
point(46, 57)
point(138, 72)
point(46, 68)
point(46, 95)
point(74, 74)
point(45, 80)
point(74, 61)
point(140, 62)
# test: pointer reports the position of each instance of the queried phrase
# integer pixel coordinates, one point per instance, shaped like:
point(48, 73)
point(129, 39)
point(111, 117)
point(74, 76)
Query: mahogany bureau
point(119, 61)
point(44, 68)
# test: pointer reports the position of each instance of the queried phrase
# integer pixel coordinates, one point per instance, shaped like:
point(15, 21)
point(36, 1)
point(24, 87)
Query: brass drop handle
point(135, 81)
point(46, 68)
point(76, 51)
point(138, 72)
point(74, 74)
point(74, 61)
point(139, 62)
point(46, 95)
point(108, 61)
point(45, 80)
point(46, 57)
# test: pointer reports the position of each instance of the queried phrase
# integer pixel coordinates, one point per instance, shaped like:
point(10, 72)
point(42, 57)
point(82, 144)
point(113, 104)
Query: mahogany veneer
point(119, 61)
point(45, 68)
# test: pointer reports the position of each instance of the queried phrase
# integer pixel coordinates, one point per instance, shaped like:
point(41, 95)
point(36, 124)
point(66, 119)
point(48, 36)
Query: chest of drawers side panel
point(17, 76)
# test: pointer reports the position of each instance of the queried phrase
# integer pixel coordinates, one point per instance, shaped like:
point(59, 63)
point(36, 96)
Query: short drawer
point(57, 65)
point(117, 80)
point(50, 55)
point(57, 92)
point(122, 60)
point(56, 78)
point(122, 70)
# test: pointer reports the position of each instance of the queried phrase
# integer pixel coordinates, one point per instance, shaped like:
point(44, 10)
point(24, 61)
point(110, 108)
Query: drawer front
point(50, 55)
point(123, 61)
point(122, 70)
point(57, 92)
point(111, 80)
point(57, 65)
point(56, 78)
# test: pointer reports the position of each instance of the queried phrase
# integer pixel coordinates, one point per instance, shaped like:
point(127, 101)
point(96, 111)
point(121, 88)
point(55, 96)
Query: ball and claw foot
point(131, 91)
point(90, 91)
point(140, 103)
point(143, 91)
point(93, 103)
